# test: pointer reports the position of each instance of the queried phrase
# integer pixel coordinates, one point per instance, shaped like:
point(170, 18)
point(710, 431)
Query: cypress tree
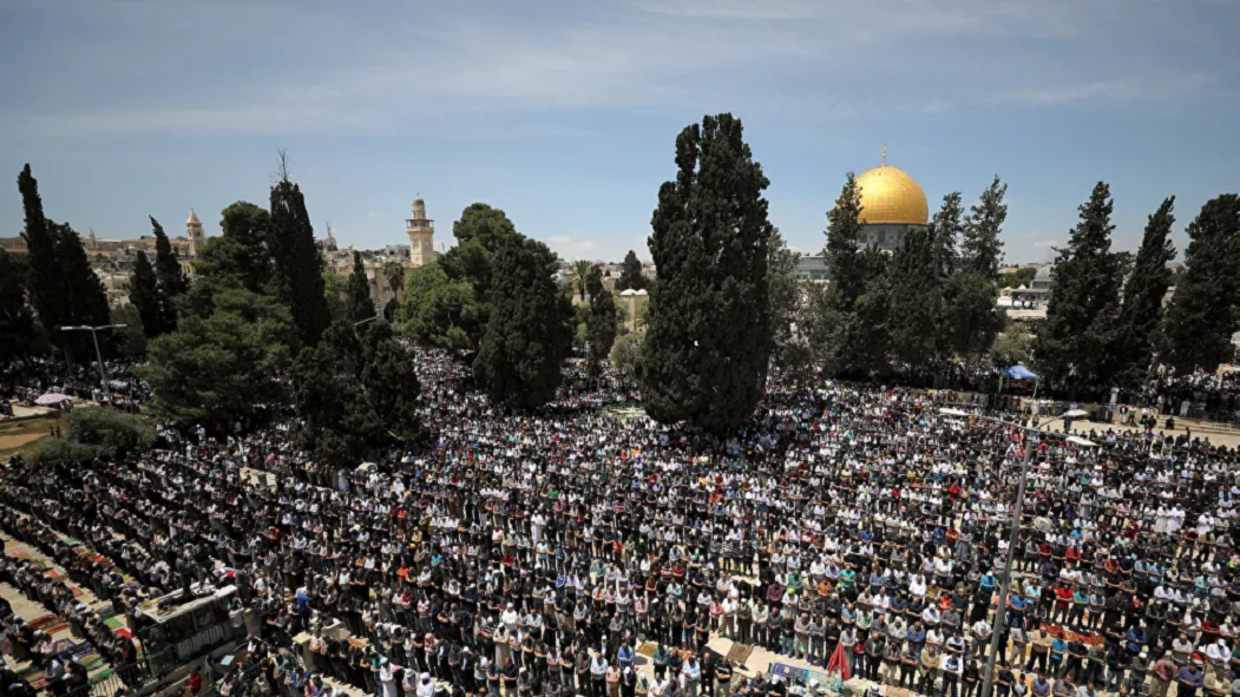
point(848, 276)
point(17, 332)
point(297, 267)
point(144, 296)
point(172, 281)
point(600, 321)
point(982, 250)
point(971, 321)
point(631, 275)
point(46, 280)
point(946, 229)
point(708, 338)
point(1205, 311)
point(88, 301)
point(914, 299)
point(1081, 317)
point(530, 330)
point(359, 305)
point(1141, 312)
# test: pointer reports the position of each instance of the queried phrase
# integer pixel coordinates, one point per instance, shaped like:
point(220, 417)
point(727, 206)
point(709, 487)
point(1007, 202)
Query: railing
point(127, 677)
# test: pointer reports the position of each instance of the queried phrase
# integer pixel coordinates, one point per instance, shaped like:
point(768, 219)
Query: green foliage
point(787, 309)
point(145, 297)
point(129, 342)
point(172, 281)
point(530, 330)
point(1141, 313)
point(709, 336)
point(439, 311)
point(631, 274)
point(914, 303)
point(1022, 277)
point(1205, 310)
point(359, 306)
point(850, 318)
point(356, 391)
point(601, 319)
point(223, 366)
point(394, 276)
point(848, 277)
point(46, 282)
point(626, 355)
point(297, 267)
point(335, 292)
point(63, 289)
point(982, 250)
point(579, 271)
point(62, 452)
point(1081, 317)
point(489, 227)
point(94, 433)
point(237, 259)
point(17, 330)
point(115, 433)
point(1011, 347)
point(970, 319)
point(946, 229)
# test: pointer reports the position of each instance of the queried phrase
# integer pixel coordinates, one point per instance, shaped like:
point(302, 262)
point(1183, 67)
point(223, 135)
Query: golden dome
point(889, 195)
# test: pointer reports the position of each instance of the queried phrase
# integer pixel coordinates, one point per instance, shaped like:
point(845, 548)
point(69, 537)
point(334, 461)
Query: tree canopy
point(708, 337)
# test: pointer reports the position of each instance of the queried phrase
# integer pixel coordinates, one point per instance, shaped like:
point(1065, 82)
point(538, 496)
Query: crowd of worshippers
point(25, 381)
point(61, 667)
point(536, 554)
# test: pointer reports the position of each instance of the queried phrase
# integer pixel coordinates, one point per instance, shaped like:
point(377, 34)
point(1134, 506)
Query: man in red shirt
point(1063, 599)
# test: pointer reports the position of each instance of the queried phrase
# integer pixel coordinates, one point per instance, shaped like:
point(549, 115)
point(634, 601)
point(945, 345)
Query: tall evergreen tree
point(1141, 313)
point(982, 250)
point(298, 268)
point(360, 306)
point(485, 225)
point(971, 320)
point(789, 311)
point(708, 338)
point(850, 320)
point(172, 281)
point(88, 301)
point(600, 321)
point(1205, 310)
point(46, 281)
point(847, 275)
point(530, 330)
point(580, 272)
point(1082, 315)
point(63, 288)
point(144, 296)
point(631, 274)
point(914, 298)
point(17, 331)
point(946, 229)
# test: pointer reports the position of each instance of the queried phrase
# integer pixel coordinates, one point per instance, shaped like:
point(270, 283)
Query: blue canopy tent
point(1018, 372)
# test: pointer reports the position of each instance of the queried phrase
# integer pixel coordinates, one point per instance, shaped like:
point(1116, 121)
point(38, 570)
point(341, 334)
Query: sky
point(565, 113)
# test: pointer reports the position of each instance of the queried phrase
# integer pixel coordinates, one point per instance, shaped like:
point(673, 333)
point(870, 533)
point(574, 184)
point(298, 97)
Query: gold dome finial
point(884, 153)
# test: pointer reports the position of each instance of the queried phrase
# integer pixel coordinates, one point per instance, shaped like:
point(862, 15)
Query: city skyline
point(566, 117)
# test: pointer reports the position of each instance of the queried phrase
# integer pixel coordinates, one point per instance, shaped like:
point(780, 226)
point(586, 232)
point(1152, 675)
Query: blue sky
point(564, 114)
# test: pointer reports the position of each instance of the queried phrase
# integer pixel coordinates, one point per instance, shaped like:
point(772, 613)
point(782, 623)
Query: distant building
point(812, 267)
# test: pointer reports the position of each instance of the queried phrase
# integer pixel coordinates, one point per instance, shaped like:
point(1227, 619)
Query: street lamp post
point(103, 376)
point(996, 629)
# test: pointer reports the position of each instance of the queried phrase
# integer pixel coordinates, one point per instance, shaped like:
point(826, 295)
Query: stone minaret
point(193, 232)
point(421, 234)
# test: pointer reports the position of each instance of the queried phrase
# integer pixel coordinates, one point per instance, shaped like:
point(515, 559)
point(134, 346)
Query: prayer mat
point(41, 622)
point(740, 653)
point(114, 623)
point(63, 645)
point(61, 626)
point(123, 632)
point(647, 649)
point(77, 592)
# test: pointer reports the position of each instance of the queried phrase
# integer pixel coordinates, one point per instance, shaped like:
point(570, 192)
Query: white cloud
point(347, 73)
point(559, 239)
point(1045, 244)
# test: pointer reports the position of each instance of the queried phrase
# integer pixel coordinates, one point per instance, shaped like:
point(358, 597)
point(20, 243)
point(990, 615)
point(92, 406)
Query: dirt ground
point(20, 437)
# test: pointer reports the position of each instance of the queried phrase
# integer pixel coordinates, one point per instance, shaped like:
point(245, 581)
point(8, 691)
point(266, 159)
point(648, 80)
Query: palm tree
point(394, 274)
point(581, 271)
